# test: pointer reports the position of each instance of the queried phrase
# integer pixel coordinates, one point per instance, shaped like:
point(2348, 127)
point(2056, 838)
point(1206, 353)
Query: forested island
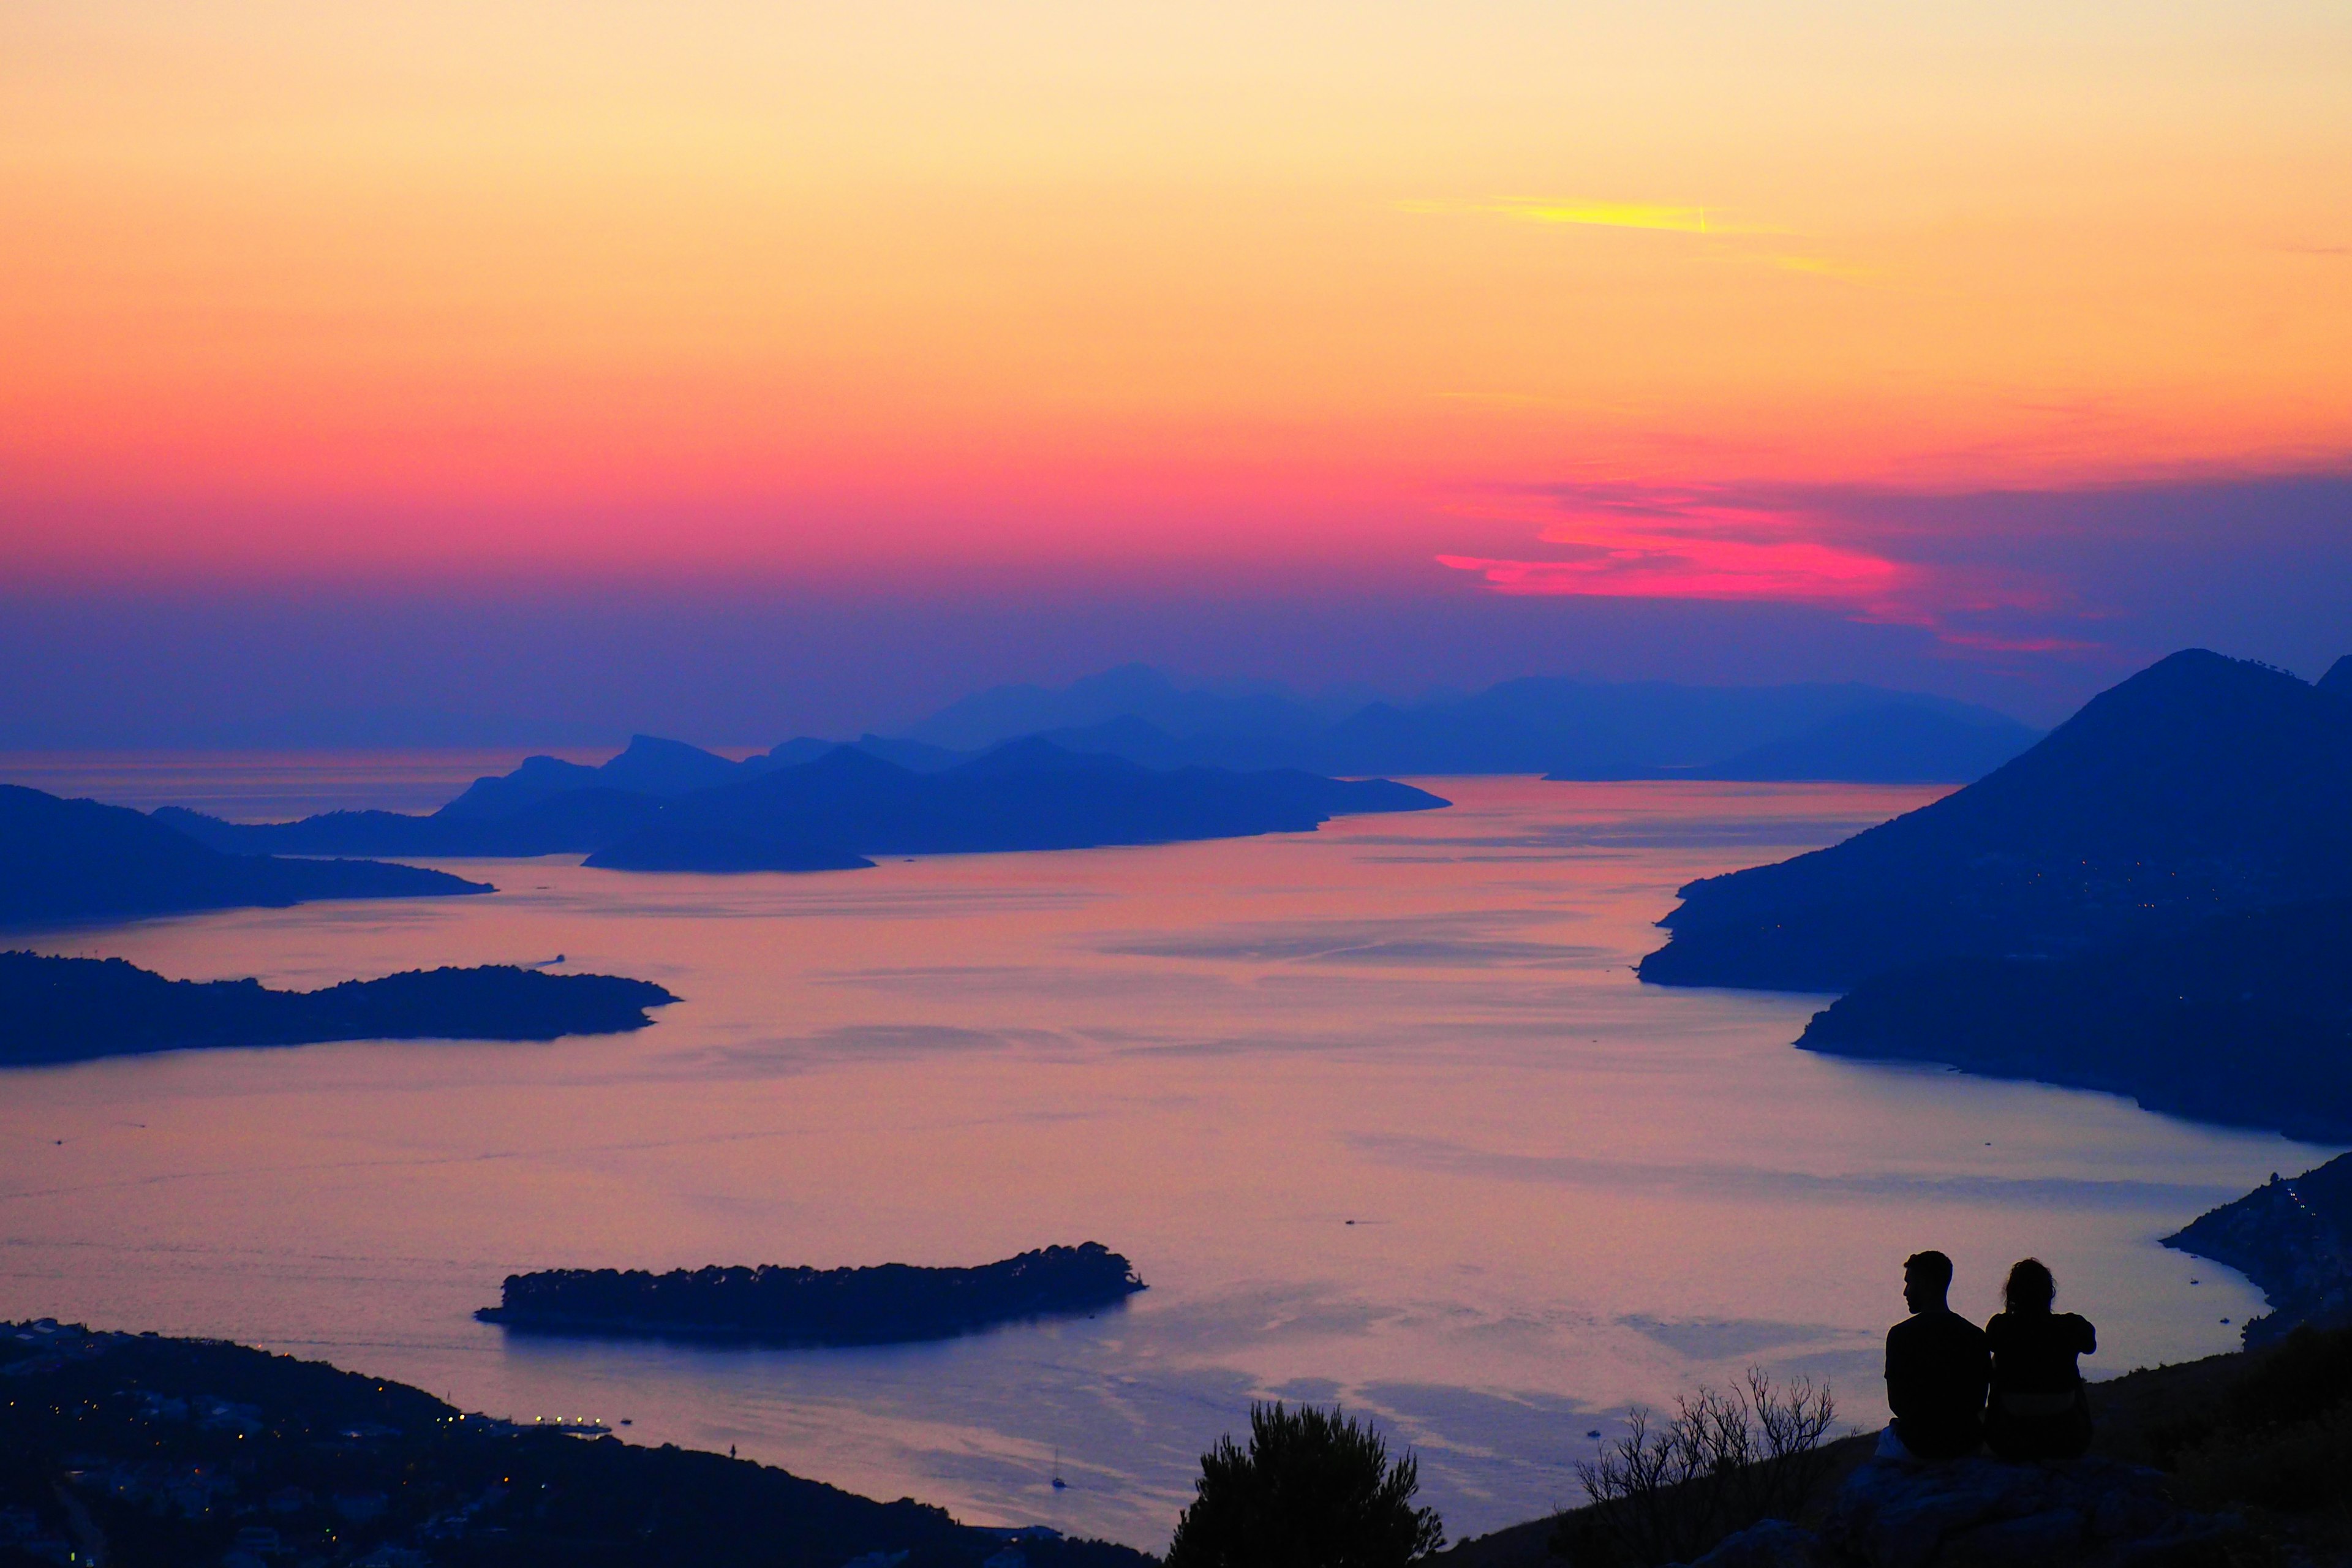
point(834, 812)
point(134, 1448)
point(886, 1304)
point(72, 1009)
point(64, 860)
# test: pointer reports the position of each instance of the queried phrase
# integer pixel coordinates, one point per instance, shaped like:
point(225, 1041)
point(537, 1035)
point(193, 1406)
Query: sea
point(1379, 1112)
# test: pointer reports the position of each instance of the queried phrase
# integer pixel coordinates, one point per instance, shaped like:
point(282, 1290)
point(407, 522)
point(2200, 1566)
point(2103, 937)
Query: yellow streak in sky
point(1609, 214)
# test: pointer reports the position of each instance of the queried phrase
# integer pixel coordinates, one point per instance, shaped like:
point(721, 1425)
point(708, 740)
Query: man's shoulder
point(1946, 1326)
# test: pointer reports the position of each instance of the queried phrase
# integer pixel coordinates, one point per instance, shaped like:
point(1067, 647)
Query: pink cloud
point(1646, 544)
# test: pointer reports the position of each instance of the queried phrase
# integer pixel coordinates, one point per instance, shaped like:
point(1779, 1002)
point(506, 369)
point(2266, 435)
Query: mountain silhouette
point(2200, 786)
point(1901, 743)
point(835, 812)
point(1568, 729)
point(77, 860)
point(2241, 1019)
point(1029, 795)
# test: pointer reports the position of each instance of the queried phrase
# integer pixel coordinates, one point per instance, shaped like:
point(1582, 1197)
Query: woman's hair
point(2029, 1289)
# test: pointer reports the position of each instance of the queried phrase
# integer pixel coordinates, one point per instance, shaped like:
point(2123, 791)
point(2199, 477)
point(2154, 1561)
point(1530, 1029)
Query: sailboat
point(1059, 1484)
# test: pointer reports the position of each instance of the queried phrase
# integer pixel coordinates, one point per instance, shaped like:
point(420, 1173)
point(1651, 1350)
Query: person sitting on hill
point(2040, 1409)
point(1936, 1368)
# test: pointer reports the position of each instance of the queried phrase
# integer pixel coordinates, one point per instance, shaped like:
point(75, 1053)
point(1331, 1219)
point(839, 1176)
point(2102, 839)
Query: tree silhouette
point(1316, 1490)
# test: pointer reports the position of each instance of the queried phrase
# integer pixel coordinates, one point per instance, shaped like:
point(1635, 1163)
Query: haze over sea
point(1379, 1112)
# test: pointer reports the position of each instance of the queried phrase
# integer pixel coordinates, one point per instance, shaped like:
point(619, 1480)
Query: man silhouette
point(1937, 1367)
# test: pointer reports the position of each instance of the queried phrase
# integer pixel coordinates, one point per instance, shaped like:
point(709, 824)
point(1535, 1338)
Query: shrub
point(1316, 1490)
point(1726, 1459)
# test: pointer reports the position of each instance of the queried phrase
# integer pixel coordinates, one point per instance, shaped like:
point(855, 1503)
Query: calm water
point(1568, 1192)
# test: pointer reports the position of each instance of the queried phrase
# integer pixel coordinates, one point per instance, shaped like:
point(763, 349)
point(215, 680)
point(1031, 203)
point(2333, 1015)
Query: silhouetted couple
point(2011, 1385)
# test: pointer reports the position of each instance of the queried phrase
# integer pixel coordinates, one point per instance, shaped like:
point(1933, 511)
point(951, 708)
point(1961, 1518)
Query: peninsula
point(2293, 1237)
point(891, 1303)
point(2244, 1019)
point(136, 1448)
point(66, 860)
point(73, 1009)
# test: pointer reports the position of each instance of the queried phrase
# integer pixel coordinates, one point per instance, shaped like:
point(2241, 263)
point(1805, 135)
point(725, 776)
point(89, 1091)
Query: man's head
point(1926, 1277)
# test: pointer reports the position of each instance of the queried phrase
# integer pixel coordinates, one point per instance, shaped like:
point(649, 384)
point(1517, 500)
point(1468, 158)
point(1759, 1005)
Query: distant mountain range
point(664, 806)
point(64, 860)
point(2155, 901)
point(1565, 729)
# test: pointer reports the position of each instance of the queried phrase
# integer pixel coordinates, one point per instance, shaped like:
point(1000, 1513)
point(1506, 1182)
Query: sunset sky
point(876, 351)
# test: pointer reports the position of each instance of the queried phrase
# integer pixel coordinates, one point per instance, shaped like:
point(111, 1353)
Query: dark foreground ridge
point(835, 812)
point(2244, 1020)
point(2294, 1240)
point(63, 861)
point(2229, 1461)
point(134, 1449)
point(71, 1009)
point(2202, 786)
point(888, 1304)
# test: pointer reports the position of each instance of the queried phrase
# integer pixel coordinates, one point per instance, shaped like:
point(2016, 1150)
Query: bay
point(1379, 1112)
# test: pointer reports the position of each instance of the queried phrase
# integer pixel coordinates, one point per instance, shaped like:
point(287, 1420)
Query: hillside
point(2241, 1019)
point(139, 1450)
point(2293, 1237)
point(2200, 786)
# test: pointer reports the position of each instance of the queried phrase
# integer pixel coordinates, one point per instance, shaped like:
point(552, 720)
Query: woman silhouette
point(2038, 1409)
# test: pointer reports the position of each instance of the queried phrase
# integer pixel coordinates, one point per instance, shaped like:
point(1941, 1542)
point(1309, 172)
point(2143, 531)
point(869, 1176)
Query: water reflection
point(1379, 1112)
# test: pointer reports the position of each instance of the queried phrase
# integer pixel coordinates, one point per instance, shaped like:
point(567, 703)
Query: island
point(2243, 1020)
point(890, 1303)
point(2293, 1237)
point(73, 1009)
point(138, 1448)
point(835, 811)
point(2202, 786)
point(73, 860)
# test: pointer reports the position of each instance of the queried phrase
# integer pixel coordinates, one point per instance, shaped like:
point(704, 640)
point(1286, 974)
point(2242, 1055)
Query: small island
point(891, 1303)
point(74, 1009)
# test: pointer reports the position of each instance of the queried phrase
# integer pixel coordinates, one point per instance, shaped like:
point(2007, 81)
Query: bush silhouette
point(1316, 1490)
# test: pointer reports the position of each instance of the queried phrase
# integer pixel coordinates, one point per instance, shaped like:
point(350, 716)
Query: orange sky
point(799, 288)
